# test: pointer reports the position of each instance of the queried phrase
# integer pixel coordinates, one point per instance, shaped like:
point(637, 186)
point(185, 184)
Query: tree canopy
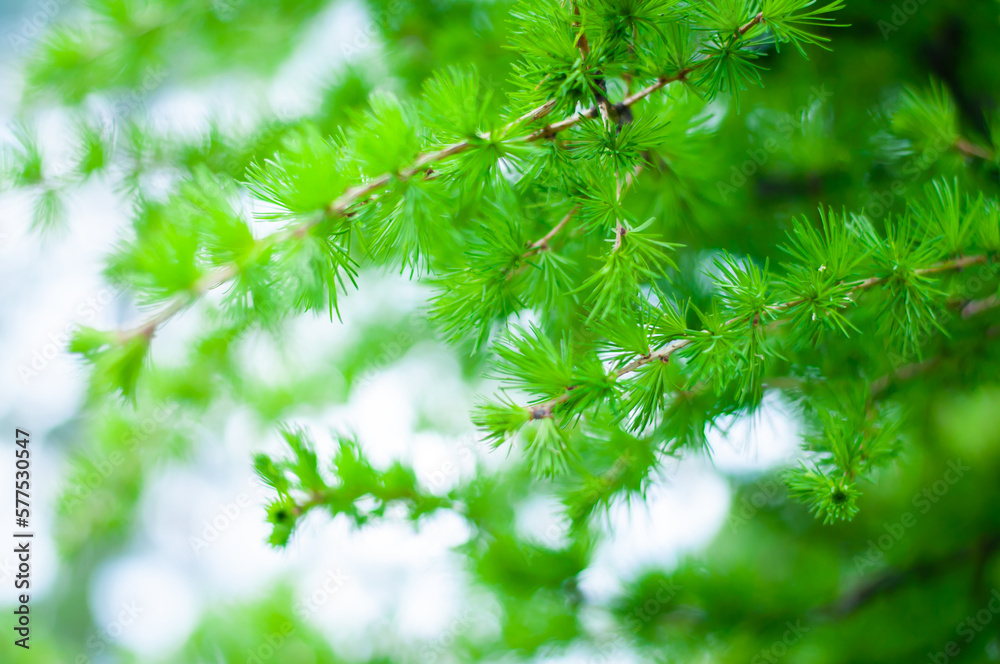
point(634, 223)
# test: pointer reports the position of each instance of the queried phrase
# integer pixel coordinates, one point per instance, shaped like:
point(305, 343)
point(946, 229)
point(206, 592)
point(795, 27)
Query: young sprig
point(351, 486)
point(636, 259)
point(797, 21)
point(829, 497)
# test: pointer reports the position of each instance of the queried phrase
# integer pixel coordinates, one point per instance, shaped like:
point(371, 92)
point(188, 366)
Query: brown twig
point(203, 285)
point(620, 229)
point(970, 149)
point(975, 307)
point(745, 28)
point(890, 581)
point(620, 232)
point(905, 372)
point(977, 552)
point(541, 244)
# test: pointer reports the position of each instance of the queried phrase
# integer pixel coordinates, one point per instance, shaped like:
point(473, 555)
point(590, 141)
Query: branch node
point(541, 412)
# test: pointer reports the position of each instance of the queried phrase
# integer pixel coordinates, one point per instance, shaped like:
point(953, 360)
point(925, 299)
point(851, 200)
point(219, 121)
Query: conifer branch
point(906, 372)
point(943, 266)
point(352, 195)
point(664, 353)
point(341, 205)
point(552, 129)
point(338, 207)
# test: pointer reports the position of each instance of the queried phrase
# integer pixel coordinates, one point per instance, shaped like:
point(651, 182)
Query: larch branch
point(340, 205)
point(664, 353)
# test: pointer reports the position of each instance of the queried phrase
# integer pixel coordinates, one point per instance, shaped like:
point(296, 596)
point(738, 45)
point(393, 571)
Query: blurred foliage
point(634, 271)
